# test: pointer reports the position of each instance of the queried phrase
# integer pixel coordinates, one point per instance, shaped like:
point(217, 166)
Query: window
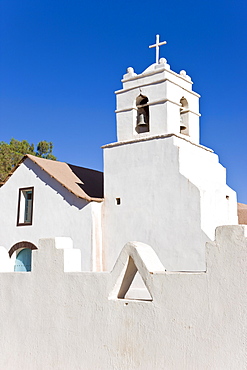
point(25, 206)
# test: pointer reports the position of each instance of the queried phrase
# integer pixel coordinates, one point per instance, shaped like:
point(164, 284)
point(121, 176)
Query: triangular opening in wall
point(133, 287)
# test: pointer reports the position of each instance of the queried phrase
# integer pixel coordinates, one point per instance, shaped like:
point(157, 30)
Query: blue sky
point(61, 61)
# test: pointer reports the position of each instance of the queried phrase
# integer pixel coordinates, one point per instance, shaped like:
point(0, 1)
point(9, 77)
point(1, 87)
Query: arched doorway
point(23, 260)
point(23, 251)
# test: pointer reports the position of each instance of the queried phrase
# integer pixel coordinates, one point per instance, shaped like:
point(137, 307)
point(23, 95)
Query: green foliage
point(44, 150)
point(12, 153)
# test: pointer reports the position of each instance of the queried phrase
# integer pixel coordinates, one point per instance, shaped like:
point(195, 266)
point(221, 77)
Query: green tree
point(12, 153)
point(44, 150)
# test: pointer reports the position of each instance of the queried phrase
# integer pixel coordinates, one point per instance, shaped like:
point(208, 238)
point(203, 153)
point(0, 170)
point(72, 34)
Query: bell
point(140, 120)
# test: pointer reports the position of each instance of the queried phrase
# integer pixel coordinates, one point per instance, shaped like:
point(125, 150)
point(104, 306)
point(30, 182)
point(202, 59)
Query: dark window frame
point(29, 188)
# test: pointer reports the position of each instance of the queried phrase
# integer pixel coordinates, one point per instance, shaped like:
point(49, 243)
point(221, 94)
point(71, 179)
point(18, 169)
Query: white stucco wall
point(56, 213)
point(56, 320)
point(173, 196)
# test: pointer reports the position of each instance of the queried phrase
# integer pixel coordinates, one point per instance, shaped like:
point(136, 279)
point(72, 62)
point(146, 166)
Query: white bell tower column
point(171, 105)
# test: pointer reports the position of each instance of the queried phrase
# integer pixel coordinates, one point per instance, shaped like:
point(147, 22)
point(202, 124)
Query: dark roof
point(92, 180)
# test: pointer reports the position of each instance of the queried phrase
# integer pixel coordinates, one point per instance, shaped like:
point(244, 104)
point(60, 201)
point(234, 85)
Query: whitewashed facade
point(146, 278)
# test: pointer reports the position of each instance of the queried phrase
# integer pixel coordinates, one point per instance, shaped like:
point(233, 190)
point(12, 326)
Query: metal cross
point(157, 45)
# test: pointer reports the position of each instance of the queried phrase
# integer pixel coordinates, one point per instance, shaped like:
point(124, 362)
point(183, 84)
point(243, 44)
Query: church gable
point(73, 178)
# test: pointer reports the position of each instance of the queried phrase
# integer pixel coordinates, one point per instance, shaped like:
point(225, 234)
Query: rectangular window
point(25, 206)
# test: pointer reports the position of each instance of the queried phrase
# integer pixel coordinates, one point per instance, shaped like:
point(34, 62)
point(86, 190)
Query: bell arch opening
point(184, 109)
point(142, 118)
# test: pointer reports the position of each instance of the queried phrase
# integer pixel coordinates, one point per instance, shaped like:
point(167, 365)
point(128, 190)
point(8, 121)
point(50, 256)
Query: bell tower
point(161, 187)
point(157, 102)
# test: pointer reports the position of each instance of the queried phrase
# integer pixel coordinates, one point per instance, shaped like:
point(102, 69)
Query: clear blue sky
point(61, 62)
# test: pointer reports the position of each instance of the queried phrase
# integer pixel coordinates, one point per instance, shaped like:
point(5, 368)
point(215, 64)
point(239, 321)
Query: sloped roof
point(82, 182)
point(242, 214)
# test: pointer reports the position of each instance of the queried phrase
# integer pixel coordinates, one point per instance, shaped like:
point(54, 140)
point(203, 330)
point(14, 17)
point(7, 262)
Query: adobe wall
point(51, 319)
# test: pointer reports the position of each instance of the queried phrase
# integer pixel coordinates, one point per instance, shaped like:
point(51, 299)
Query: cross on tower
point(157, 45)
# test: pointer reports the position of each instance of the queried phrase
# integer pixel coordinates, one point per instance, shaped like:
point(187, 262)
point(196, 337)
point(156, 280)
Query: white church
point(142, 268)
